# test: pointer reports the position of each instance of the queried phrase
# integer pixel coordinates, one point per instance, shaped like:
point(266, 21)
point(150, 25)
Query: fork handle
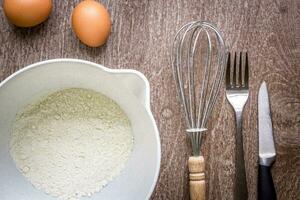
point(240, 183)
point(197, 177)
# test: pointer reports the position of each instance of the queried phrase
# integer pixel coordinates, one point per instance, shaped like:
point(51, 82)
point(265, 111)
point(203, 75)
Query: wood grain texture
point(142, 32)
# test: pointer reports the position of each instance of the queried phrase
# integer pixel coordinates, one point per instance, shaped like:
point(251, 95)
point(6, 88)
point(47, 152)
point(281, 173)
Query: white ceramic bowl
point(129, 88)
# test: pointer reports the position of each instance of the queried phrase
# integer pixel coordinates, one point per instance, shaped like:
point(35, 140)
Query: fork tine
point(234, 77)
point(240, 75)
point(246, 77)
point(228, 83)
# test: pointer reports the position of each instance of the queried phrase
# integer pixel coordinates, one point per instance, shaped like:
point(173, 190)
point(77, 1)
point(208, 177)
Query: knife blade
point(267, 152)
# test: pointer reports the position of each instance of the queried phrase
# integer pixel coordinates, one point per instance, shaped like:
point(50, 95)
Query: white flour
point(71, 143)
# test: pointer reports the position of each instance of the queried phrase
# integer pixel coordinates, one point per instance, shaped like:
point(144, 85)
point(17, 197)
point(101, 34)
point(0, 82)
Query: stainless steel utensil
point(267, 153)
point(198, 61)
point(237, 92)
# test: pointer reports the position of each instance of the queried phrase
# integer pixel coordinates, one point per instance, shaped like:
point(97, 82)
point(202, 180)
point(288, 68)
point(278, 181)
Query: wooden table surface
point(142, 32)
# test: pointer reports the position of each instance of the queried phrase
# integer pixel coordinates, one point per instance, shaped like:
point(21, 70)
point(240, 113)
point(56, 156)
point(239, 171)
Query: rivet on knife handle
point(197, 177)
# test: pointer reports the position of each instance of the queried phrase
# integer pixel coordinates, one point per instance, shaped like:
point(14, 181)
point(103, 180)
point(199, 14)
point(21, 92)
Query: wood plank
point(141, 37)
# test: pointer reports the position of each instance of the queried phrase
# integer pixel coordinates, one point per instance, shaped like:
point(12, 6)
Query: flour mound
point(71, 143)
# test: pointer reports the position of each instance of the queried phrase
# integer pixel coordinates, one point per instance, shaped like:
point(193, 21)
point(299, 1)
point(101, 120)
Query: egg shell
point(91, 23)
point(27, 13)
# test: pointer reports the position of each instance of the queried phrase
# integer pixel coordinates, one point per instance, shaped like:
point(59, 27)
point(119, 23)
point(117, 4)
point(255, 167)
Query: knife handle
point(197, 178)
point(266, 189)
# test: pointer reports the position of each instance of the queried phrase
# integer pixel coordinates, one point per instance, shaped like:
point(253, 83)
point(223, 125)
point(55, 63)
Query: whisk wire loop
point(186, 45)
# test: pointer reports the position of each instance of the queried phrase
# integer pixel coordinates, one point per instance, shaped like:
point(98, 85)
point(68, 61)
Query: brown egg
point(91, 23)
point(27, 13)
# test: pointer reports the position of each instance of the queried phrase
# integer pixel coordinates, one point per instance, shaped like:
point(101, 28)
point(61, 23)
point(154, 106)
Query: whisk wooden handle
point(197, 177)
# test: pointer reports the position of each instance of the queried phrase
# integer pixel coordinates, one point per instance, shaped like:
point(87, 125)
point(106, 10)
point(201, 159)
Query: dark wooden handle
point(266, 189)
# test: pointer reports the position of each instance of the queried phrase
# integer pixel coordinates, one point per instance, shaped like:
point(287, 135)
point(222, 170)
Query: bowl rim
point(112, 71)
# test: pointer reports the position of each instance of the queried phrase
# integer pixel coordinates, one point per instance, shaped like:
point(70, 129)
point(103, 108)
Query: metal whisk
point(198, 61)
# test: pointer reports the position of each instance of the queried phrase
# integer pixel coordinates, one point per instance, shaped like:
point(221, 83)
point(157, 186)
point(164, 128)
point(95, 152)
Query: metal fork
point(237, 92)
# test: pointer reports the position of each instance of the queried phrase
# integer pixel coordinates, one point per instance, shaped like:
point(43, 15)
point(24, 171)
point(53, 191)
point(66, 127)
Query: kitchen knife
point(267, 153)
